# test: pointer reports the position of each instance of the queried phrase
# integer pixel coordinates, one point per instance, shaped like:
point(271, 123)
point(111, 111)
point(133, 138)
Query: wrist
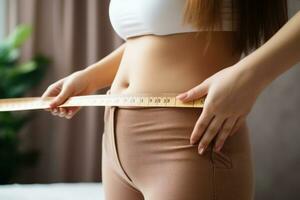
point(253, 74)
point(89, 77)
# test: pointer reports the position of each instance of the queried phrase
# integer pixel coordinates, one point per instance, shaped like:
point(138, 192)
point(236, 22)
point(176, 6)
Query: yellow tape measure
point(32, 103)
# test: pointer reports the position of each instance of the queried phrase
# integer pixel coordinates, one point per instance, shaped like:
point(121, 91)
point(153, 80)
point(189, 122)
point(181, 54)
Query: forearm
point(276, 56)
point(102, 73)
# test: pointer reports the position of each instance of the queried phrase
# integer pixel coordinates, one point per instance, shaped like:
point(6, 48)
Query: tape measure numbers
point(32, 103)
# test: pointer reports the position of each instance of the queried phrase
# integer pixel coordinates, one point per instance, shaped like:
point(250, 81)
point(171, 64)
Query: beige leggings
point(146, 155)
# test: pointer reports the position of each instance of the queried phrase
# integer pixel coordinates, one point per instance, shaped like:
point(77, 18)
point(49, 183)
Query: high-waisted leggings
point(147, 155)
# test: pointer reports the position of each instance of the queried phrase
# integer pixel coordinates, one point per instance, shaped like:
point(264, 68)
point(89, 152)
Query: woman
point(160, 153)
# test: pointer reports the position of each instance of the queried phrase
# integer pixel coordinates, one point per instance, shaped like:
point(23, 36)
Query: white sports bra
point(159, 17)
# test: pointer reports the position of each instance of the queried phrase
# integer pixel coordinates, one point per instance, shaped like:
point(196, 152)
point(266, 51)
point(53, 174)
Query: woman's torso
point(171, 63)
point(161, 54)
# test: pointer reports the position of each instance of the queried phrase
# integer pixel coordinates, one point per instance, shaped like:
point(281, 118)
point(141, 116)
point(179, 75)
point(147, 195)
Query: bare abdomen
point(172, 63)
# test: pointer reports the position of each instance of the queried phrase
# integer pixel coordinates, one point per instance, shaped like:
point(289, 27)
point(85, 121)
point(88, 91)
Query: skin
point(231, 93)
point(164, 60)
point(154, 64)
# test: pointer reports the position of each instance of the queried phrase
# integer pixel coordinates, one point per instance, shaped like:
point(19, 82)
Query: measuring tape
point(32, 103)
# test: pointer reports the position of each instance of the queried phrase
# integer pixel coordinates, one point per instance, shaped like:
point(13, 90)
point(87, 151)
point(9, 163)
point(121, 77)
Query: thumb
point(63, 95)
point(195, 93)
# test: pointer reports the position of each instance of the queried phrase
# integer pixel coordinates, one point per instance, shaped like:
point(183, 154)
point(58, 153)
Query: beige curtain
point(74, 34)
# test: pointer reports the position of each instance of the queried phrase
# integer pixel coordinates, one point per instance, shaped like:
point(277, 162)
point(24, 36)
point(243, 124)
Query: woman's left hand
point(230, 95)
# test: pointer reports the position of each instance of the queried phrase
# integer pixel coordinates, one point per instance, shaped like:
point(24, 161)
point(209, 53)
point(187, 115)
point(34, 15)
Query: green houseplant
point(15, 80)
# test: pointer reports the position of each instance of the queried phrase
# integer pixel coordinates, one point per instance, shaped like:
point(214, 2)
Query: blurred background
point(42, 41)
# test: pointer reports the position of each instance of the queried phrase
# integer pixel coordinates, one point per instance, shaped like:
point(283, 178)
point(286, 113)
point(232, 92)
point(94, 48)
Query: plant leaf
point(19, 36)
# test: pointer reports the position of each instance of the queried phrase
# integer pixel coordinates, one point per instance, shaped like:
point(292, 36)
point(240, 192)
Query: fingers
point(63, 95)
point(201, 125)
point(224, 133)
point(49, 93)
point(210, 133)
point(72, 111)
point(52, 90)
point(65, 112)
point(194, 93)
point(237, 125)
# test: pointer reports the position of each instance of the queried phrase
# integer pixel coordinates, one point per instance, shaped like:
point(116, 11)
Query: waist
point(172, 78)
point(170, 64)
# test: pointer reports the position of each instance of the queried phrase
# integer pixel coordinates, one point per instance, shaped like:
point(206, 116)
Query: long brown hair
point(257, 20)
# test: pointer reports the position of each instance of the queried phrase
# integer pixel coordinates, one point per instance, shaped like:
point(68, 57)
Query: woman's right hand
point(75, 84)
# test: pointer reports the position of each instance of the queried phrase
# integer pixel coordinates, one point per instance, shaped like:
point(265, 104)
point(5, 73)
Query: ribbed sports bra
point(131, 18)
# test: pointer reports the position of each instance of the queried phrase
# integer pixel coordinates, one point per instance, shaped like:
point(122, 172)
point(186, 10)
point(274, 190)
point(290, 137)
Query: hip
point(165, 132)
point(152, 143)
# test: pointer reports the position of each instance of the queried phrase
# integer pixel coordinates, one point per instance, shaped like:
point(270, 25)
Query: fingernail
point(181, 96)
point(201, 150)
point(61, 114)
point(68, 116)
point(192, 141)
